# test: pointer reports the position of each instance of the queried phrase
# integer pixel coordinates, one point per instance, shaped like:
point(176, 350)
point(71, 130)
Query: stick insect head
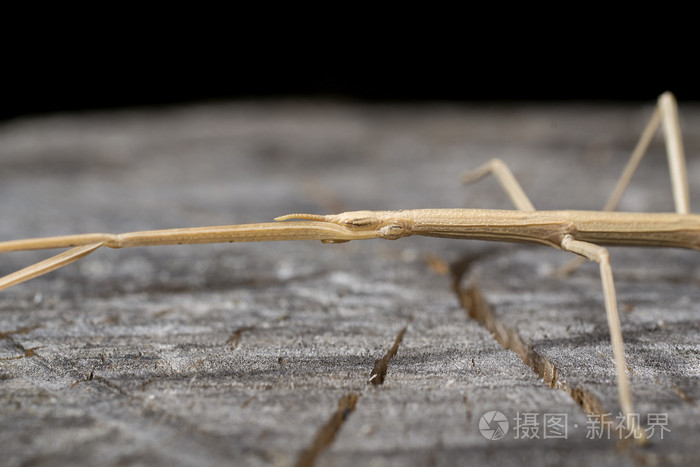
point(380, 224)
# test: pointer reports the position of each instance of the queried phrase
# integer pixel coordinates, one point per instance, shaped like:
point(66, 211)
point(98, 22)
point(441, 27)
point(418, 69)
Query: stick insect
point(585, 233)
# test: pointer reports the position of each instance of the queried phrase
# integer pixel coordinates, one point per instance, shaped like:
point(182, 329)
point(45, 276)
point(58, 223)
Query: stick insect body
point(582, 232)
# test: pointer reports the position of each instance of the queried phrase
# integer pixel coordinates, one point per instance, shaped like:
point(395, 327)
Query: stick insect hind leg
point(665, 115)
point(589, 251)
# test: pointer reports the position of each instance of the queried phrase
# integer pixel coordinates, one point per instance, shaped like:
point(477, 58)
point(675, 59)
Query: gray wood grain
point(239, 354)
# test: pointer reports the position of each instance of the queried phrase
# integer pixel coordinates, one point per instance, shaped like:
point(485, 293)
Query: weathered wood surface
point(240, 354)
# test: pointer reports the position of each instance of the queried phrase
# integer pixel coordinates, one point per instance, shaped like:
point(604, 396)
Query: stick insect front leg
point(48, 265)
point(313, 228)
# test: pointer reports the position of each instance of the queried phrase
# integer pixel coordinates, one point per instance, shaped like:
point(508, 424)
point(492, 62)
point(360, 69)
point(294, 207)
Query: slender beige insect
point(580, 232)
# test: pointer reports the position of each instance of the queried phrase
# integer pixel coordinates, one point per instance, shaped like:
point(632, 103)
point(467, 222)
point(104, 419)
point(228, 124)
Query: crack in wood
point(326, 434)
point(468, 407)
point(476, 308)
point(381, 366)
point(89, 377)
point(22, 330)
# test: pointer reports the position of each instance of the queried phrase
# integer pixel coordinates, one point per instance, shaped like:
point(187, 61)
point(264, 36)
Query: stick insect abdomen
point(636, 229)
point(549, 227)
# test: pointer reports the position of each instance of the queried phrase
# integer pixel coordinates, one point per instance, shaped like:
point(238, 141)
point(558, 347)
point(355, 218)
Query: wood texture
point(241, 354)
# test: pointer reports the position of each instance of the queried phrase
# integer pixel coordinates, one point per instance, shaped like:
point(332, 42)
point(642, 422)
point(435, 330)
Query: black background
point(94, 66)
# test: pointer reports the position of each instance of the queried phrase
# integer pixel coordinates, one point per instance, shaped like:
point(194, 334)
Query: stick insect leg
point(676, 153)
point(666, 115)
point(601, 256)
point(48, 265)
point(507, 180)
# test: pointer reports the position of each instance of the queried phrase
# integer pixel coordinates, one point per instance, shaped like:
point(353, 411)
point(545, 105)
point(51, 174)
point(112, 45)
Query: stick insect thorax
point(544, 227)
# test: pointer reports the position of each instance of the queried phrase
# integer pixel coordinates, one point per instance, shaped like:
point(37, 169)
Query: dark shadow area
point(59, 77)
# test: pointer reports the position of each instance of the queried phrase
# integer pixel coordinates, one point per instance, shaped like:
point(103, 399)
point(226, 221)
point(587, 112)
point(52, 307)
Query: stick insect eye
point(393, 231)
